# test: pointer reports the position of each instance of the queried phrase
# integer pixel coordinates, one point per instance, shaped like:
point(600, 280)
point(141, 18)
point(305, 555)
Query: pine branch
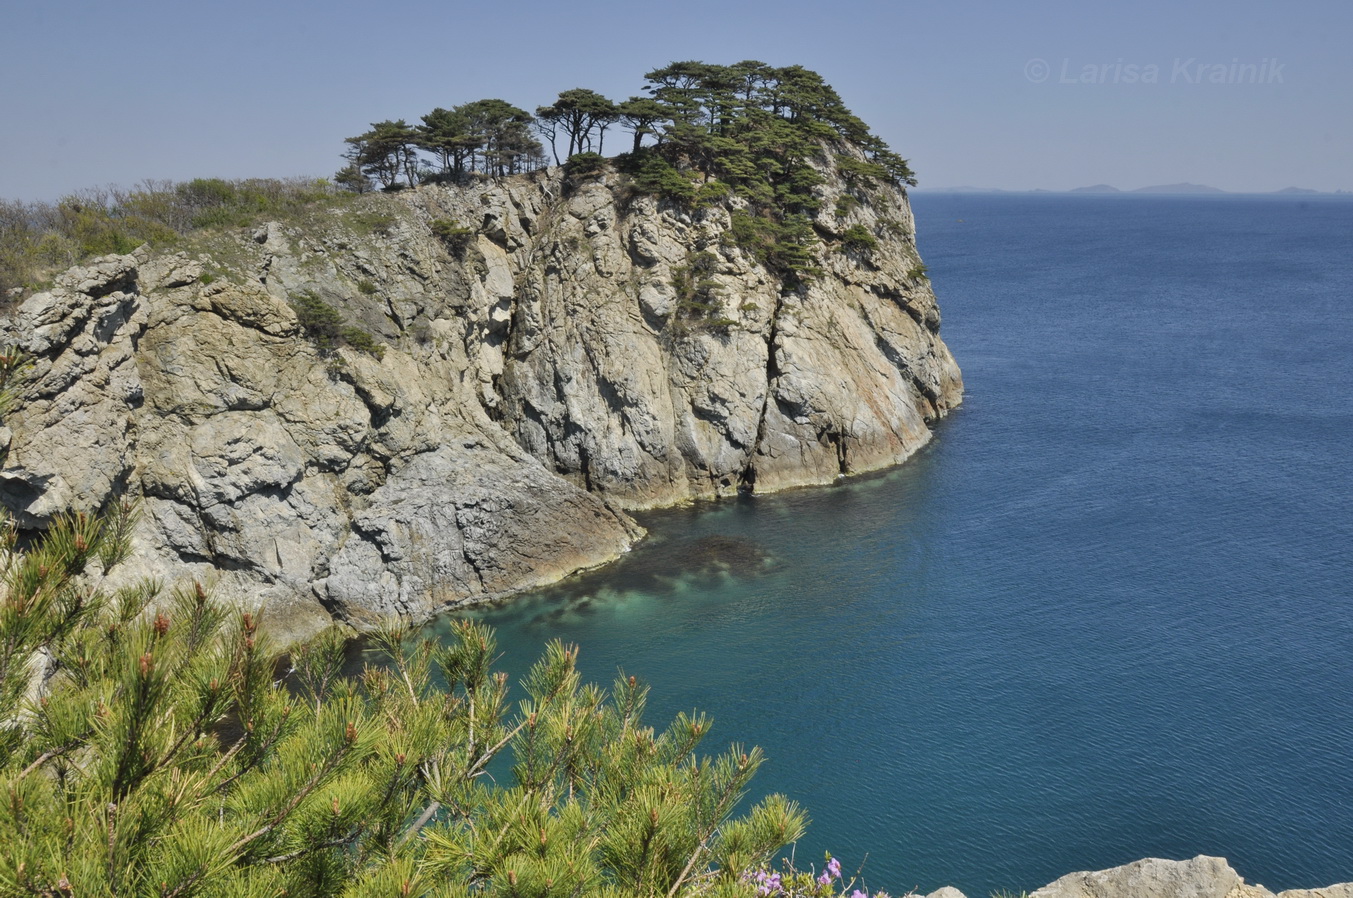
point(428, 813)
point(44, 758)
point(225, 759)
point(237, 848)
point(263, 750)
point(191, 731)
point(321, 846)
point(690, 864)
point(290, 806)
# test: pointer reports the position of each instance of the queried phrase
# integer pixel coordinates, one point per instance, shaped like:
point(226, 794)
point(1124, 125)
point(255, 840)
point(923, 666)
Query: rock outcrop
point(1200, 877)
point(542, 373)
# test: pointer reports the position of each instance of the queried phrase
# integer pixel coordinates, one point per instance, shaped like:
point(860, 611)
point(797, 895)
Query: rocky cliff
point(555, 354)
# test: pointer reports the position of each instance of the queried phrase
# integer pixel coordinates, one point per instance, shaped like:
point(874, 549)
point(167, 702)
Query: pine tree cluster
point(153, 742)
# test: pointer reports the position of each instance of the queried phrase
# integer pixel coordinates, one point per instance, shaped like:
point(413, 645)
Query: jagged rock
point(72, 438)
point(946, 892)
point(1200, 877)
point(536, 381)
point(1342, 890)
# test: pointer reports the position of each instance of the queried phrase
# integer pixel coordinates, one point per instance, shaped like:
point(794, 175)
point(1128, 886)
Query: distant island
point(1181, 189)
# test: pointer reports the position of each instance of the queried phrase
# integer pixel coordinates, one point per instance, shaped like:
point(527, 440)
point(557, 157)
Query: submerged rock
point(734, 555)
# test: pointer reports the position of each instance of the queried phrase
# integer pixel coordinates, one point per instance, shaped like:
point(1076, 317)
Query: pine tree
point(156, 743)
point(386, 152)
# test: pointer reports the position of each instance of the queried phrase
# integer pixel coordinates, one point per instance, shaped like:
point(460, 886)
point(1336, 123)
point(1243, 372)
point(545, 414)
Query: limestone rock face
point(540, 377)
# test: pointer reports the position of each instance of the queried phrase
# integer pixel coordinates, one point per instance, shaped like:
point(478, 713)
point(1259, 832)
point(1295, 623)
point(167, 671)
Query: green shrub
point(651, 173)
point(452, 233)
point(325, 327)
point(372, 221)
point(361, 341)
point(845, 204)
point(894, 228)
point(37, 237)
point(366, 287)
point(21, 230)
point(858, 239)
point(581, 166)
point(215, 203)
point(860, 173)
point(785, 247)
point(96, 227)
point(711, 193)
point(697, 301)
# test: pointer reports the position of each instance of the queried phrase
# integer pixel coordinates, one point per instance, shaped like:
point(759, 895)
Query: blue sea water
point(1106, 614)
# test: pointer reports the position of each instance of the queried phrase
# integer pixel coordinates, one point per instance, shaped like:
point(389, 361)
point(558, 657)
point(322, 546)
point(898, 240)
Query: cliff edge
point(547, 352)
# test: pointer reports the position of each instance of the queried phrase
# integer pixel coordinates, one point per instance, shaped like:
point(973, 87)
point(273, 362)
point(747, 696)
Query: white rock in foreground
point(1199, 877)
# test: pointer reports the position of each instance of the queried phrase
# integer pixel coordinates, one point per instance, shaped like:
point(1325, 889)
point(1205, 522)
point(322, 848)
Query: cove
point(1105, 614)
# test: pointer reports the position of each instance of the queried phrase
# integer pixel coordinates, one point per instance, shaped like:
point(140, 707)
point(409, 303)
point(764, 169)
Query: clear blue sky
point(97, 92)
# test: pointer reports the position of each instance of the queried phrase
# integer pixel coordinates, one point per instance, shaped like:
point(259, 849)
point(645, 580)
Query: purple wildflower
point(767, 884)
point(834, 868)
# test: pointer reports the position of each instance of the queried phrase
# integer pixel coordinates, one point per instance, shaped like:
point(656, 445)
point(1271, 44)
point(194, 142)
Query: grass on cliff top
point(37, 239)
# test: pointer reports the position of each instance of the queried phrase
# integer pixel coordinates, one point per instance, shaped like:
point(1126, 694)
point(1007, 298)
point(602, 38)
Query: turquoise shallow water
point(1107, 613)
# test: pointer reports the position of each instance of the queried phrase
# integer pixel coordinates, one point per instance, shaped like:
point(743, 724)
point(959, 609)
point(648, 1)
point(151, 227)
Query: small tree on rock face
point(351, 177)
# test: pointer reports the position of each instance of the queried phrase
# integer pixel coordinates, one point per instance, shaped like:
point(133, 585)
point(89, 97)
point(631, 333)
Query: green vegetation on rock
point(326, 327)
point(706, 134)
point(452, 233)
point(37, 238)
point(858, 239)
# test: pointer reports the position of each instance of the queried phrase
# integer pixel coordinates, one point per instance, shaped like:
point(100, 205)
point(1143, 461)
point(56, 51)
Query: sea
point(1105, 614)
